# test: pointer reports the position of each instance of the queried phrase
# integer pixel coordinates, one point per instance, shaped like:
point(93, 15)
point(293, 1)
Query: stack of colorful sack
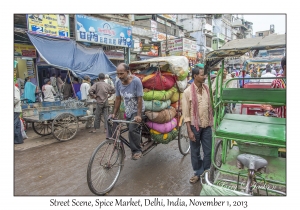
point(160, 90)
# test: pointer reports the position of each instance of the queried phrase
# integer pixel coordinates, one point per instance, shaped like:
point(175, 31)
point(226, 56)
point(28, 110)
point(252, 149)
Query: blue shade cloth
point(69, 55)
point(29, 91)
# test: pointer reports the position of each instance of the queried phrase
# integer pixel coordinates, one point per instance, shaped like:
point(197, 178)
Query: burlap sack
point(163, 116)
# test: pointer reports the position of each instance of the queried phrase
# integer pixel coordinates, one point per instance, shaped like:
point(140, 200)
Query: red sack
point(159, 81)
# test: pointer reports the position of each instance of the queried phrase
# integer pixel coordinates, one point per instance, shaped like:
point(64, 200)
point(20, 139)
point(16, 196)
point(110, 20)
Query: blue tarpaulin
point(69, 55)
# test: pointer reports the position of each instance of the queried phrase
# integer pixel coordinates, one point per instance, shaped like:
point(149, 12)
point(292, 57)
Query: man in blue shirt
point(244, 75)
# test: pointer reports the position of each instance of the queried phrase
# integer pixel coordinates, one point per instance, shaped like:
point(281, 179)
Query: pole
point(167, 52)
point(72, 84)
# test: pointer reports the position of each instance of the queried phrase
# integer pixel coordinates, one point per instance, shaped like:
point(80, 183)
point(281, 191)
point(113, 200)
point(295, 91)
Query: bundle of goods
point(164, 79)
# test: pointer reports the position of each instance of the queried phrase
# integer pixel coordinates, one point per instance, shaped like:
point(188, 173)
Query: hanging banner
point(91, 29)
point(24, 50)
point(49, 25)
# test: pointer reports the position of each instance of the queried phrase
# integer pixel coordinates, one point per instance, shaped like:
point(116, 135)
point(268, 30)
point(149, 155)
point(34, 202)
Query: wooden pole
point(72, 85)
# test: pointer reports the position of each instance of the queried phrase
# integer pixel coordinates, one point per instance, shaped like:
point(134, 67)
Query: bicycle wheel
point(218, 161)
point(104, 167)
point(183, 139)
point(42, 128)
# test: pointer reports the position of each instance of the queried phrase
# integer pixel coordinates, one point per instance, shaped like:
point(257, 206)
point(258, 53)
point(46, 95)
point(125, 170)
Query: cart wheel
point(42, 128)
point(64, 126)
point(218, 161)
point(105, 167)
point(183, 139)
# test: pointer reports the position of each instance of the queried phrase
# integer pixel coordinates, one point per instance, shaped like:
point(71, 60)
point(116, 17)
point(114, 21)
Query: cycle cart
point(107, 160)
point(258, 137)
point(59, 118)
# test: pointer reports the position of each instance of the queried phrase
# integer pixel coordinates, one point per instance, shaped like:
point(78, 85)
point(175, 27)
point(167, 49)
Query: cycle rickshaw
point(107, 160)
point(265, 171)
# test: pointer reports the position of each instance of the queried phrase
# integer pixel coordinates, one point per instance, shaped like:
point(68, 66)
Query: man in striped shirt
point(281, 83)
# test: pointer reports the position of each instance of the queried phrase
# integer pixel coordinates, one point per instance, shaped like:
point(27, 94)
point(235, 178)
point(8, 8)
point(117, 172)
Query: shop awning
point(69, 55)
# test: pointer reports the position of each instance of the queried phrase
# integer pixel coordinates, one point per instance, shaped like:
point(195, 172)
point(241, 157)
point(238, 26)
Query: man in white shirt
point(18, 138)
point(48, 91)
point(84, 88)
point(267, 74)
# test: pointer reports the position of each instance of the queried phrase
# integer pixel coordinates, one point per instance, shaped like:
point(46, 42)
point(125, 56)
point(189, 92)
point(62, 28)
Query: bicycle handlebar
point(124, 121)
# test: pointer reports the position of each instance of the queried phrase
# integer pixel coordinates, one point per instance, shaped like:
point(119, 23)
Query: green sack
point(164, 138)
point(156, 105)
point(160, 95)
point(182, 74)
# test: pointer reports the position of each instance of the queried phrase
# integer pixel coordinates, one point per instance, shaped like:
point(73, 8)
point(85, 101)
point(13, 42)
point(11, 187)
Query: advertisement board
point(94, 30)
point(179, 47)
point(53, 25)
point(24, 50)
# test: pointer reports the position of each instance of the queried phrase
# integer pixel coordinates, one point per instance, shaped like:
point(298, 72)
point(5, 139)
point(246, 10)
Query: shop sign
point(94, 30)
point(152, 51)
point(146, 47)
point(49, 25)
point(180, 46)
point(162, 37)
point(24, 50)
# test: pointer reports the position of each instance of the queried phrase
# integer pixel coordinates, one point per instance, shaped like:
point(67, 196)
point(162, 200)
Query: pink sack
point(163, 128)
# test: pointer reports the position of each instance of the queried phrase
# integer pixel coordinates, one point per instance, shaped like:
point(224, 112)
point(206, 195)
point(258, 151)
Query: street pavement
point(45, 166)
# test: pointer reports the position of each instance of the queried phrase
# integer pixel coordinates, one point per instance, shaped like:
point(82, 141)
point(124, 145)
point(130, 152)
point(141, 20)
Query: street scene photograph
point(149, 105)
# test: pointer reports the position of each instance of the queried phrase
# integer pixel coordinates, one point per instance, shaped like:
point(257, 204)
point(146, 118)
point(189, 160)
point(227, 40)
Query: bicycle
point(107, 160)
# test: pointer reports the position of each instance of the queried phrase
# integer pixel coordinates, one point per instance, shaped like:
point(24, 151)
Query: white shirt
point(272, 71)
point(48, 93)
point(84, 89)
point(17, 100)
point(268, 74)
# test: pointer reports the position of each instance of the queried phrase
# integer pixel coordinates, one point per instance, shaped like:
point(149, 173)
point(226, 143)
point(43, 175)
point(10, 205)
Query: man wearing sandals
point(130, 88)
point(197, 113)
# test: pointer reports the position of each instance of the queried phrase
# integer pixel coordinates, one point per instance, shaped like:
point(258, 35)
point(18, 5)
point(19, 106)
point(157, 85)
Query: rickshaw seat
point(253, 162)
point(255, 129)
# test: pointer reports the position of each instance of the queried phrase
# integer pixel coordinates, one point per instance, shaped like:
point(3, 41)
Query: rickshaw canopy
point(239, 47)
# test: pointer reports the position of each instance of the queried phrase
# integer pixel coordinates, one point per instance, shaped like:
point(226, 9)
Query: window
point(208, 42)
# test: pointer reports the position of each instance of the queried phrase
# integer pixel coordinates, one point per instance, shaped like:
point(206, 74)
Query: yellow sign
point(49, 25)
point(24, 50)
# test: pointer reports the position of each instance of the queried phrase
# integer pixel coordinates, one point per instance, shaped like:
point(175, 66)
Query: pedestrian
point(84, 89)
point(54, 82)
point(130, 88)
point(76, 88)
point(59, 83)
point(281, 83)
point(101, 91)
point(198, 116)
point(244, 74)
point(29, 91)
point(18, 138)
point(67, 89)
point(267, 74)
point(214, 84)
point(48, 91)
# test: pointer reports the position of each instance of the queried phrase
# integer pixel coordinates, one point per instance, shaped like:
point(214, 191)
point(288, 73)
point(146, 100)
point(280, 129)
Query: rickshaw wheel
point(183, 139)
point(104, 167)
point(218, 161)
point(64, 126)
point(42, 128)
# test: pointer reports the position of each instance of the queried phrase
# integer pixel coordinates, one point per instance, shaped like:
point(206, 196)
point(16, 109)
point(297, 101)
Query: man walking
point(130, 88)
point(267, 74)
point(18, 138)
point(101, 92)
point(197, 113)
point(84, 90)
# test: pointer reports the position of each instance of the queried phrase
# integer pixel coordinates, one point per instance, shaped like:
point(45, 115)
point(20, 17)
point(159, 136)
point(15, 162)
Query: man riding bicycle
point(130, 88)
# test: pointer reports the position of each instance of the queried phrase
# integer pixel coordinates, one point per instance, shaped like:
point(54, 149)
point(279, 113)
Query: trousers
point(204, 137)
point(134, 136)
point(101, 109)
point(18, 138)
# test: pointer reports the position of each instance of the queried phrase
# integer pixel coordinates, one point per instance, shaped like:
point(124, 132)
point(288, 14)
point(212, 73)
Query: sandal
point(194, 179)
point(136, 156)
